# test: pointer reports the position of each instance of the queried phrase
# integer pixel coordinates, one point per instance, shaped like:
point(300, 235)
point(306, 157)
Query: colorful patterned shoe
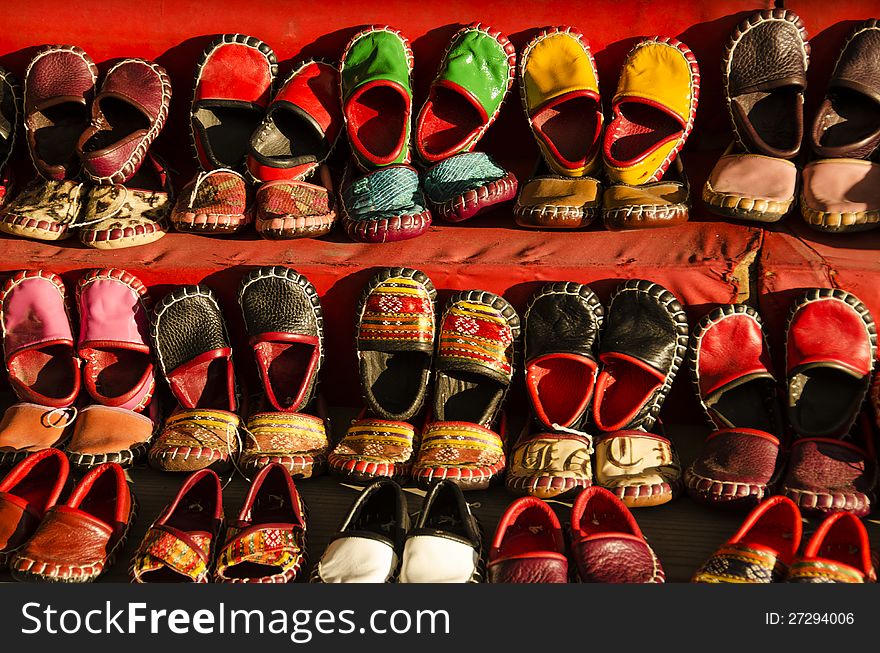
point(467, 184)
point(296, 209)
point(118, 216)
point(127, 115)
point(38, 339)
point(267, 543)
point(385, 205)
point(179, 545)
point(375, 448)
point(559, 87)
point(548, 465)
point(44, 210)
point(762, 549)
point(233, 86)
point(10, 109)
point(838, 552)
point(475, 75)
point(640, 468)
point(296, 441)
point(654, 110)
point(376, 87)
point(214, 203)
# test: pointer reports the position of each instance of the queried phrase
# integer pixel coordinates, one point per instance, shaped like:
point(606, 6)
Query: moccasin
point(214, 203)
point(104, 434)
point(841, 195)
point(838, 552)
point(27, 428)
point(296, 209)
point(375, 448)
point(297, 441)
point(555, 202)
point(45, 209)
point(466, 185)
point(529, 546)
point(664, 203)
point(549, 465)
point(640, 468)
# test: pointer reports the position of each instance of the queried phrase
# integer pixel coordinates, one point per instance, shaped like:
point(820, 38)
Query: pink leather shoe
point(114, 326)
point(38, 340)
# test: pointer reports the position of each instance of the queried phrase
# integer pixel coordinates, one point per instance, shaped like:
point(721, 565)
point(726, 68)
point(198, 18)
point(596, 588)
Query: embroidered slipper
point(119, 216)
point(369, 544)
point(38, 339)
point(476, 73)
point(550, 465)
point(559, 88)
point(643, 344)
point(195, 358)
point(831, 341)
point(385, 205)
point(10, 110)
point(445, 543)
point(285, 326)
point(29, 428)
point(529, 546)
point(297, 441)
point(376, 88)
point(550, 201)
point(764, 72)
point(838, 552)
point(841, 194)
point(641, 469)
point(395, 342)
point(179, 544)
point(466, 185)
point(296, 209)
point(26, 492)
point(267, 543)
point(59, 85)
point(737, 468)
point(732, 372)
point(44, 210)
point(826, 475)
point(562, 324)
point(375, 448)
point(751, 187)
point(664, 203)
point(97, 516)
point(654, 110)
point(301, 125)
point(607, 543)
point(762, 549)
point(846, 123)
point(233, 86)
point(105, 434)
point(216, 202)
point(127, 115)
point(113, 339)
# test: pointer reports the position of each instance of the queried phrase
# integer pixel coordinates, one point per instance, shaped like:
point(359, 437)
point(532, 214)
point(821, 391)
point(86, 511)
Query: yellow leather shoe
point(654, 110)
point(648, 206)
point(559, 88)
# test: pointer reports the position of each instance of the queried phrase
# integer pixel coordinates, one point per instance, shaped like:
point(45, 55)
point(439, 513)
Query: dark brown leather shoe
point(846, 124)
point(764, 70)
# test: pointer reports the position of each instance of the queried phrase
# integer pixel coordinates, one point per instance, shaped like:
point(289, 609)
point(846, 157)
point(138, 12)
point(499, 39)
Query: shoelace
point(119, 205)
point(70, 413)
point(586, 436)
point(200, 178)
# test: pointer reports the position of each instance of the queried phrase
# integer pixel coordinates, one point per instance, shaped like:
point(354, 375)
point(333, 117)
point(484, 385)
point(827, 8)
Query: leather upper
point(31, 427)
point(755, 176)
point(841, 186)
point(104, 430)
point(738, 455)
point(629, 459)
point(528, 546)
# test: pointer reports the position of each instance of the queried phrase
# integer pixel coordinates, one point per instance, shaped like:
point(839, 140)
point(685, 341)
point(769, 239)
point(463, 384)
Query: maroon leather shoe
point(830, 345)
point(97, 516)
point(838, 552)
point(607, 543)
point(732, 371)
point(26, 493)
point(127, 114)
point(762, 549)
point(59, 85)
point(736, 468)
point(528, 546)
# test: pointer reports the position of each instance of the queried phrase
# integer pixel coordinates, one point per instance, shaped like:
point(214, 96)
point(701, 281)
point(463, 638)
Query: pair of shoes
point(757, 178)
point(44, 362)
point(285, 325)
point(612, 369)
point(473, 367)
point(74, 130)
point(653, 115)
point(607, 545)
point(266, 544)
point(830, 345)
point(765, 550)
point(10, 108)
point(391, 202)
point(279, 141)
point(377, 543)
point(36, 530)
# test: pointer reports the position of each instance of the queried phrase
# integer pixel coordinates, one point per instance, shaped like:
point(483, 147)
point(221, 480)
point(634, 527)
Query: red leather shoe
point(762, 549)
point(528, 546)
point(830, 345)
point(838, 552)
point(26, 493)
point(607, 543)
point(97, 517)
point(232, 90)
